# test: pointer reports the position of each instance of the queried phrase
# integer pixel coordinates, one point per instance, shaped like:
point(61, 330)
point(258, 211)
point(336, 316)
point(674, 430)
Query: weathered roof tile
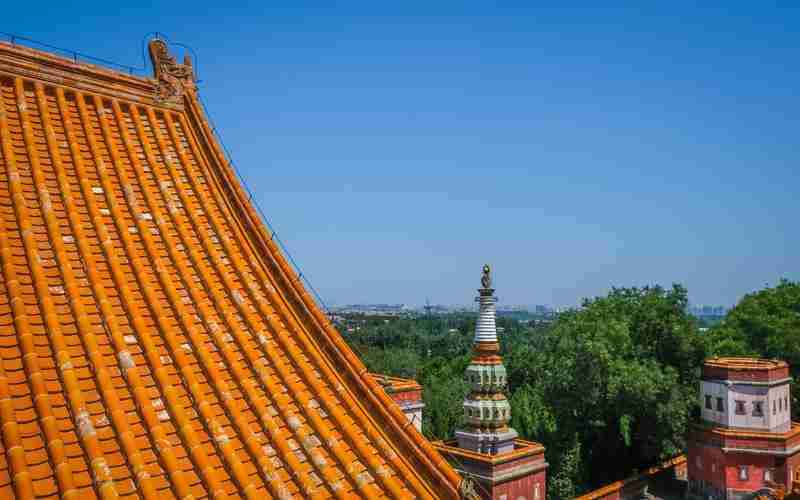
point(266, 385)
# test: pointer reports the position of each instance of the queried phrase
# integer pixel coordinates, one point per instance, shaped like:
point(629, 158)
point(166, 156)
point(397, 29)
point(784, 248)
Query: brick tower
point(746, 443)
point(494, 462)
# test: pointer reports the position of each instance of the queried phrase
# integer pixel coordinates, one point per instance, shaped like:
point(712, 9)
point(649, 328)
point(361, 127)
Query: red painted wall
point(791, 470)
point(710, 468)
point(413, 396)
point(761, 375)
point(756, 464)
point(522, 488)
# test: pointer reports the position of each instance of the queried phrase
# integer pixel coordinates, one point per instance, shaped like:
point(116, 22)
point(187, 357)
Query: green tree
point(566, 473)
point(765, 323)
point(619, 375)
point(443, 393)
point(394, 361)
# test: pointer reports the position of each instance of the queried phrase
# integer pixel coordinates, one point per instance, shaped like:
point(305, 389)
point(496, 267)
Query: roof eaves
point(385, 415)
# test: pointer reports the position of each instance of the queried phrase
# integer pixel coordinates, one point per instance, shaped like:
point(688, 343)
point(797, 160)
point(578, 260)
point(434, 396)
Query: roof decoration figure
point(486, 279)
point(173, 79)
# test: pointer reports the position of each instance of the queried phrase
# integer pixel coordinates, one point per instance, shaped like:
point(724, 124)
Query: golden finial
point(486, 279)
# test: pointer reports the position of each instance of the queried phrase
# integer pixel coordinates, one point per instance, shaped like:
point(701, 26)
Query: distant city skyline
point(696, 309)
point(396, 148)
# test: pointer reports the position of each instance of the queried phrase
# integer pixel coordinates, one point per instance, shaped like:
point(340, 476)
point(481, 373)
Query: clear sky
point(397, 146)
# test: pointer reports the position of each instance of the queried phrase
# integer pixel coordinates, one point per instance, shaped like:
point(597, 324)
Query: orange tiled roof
point(153, 340)
point(396, 384)
point(742, 363)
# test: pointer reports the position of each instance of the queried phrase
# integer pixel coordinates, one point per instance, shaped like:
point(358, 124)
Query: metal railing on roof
point(76, 56)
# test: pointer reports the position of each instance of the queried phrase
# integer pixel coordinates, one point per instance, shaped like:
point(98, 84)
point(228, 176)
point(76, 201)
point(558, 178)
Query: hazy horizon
point(396, 148)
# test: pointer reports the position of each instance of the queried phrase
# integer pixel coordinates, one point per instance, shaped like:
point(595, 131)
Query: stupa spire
point(486, 408)
point(486, 329)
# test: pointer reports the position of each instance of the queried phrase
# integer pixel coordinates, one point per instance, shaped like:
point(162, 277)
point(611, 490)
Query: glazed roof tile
point(154, 342)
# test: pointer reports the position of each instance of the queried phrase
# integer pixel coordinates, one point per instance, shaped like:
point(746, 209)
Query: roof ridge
point(179, 352)
point(252, 441)
point(310, 378)
point(236, 299)
point(53, 50)
point(421, 449)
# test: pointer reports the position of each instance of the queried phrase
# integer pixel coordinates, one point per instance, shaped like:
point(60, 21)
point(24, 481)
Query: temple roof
point(154, 342)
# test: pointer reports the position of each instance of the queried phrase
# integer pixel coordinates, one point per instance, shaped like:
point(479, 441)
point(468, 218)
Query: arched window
point(742, 473)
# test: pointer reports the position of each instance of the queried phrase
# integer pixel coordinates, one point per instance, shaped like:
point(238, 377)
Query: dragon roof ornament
point(172, 79)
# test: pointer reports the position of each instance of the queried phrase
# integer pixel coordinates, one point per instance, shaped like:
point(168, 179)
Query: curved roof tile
point(154, 342)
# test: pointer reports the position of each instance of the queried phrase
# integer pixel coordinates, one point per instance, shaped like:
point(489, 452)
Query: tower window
point(774, 407)
point(720, 405)
point(767, 474)
point(758, 408)
point(743, 473)
point(740, 407)
point(708, 402)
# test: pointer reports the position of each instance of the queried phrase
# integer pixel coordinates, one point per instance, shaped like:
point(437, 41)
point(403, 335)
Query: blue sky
point(397, 146)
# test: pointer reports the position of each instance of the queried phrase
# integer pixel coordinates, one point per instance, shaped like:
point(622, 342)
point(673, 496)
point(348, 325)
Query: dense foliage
point(609, 388)
point(766, 324)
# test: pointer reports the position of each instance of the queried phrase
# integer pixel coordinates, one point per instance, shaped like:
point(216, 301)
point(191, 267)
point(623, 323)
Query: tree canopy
point(609, 388)
point(765, 324)
point(613, 382)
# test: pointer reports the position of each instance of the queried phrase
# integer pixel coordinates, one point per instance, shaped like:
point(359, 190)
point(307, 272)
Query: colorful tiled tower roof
point(154, 342)
point(486, 408)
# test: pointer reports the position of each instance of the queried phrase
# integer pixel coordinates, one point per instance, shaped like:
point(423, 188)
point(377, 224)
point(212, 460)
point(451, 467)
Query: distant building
point(407, 393)
point(373, 309)
point(704, 311)
point(746, 444)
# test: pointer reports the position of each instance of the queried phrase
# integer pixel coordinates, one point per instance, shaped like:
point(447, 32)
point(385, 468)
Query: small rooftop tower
point(746, 393)
point(486, 409)
point(494, 463)
point(745, 444)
